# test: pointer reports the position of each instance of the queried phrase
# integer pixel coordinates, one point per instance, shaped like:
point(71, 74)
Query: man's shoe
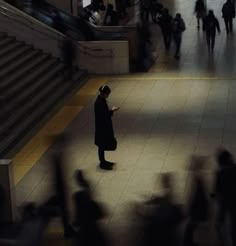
point(105, 166)
point(177, 57)
point(110, 163)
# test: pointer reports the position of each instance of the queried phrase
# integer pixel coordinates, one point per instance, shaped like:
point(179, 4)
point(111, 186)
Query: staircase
point(32, 87)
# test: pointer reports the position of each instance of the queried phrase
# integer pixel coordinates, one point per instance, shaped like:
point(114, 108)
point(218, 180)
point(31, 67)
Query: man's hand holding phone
point(115, 109)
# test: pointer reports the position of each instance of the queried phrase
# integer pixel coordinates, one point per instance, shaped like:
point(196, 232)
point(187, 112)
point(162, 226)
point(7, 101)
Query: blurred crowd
point(159, 219)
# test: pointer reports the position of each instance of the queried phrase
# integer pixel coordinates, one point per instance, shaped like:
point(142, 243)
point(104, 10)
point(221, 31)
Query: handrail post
point(7, 194)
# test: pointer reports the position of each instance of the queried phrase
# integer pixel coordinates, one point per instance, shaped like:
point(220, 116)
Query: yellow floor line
point(174, 78)
point(26, 158)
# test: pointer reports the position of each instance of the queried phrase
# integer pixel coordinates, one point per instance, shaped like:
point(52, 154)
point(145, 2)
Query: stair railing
point(51, 33)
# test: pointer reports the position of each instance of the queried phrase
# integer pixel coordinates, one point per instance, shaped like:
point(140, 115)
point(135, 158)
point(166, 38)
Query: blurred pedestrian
point(145, 10)
point(68, 51)
point(200, 11)
point(87, 214)
point(32, 227)
point(156, 8)
point(178, 27)
point(198, 205)
point(60, 186)
point(165, 22)
point(225, 193)
point(111, 16)
point(210, 25)
point(163, 217)
point(228, 13)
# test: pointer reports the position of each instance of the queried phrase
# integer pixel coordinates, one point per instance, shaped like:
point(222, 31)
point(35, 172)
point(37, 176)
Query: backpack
point(178, 26)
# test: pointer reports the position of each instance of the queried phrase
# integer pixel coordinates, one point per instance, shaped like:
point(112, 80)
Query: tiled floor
point(178, 109)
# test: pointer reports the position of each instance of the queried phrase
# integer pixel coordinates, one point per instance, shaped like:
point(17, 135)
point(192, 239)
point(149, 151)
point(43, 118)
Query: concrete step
point(19, 63)
point(23, 72)
point(4, 42)
point(34, 110)
point(10, 48)
point(19, 99)
point(32, 86)
point(50, 69)
point(5, 61)
point(19, 105)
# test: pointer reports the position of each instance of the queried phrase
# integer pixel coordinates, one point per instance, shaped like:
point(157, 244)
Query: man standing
point(178, 29)
point(210, 25)
point(104, 134)
point(165, 22)
point(111, 16)
point(228, 13)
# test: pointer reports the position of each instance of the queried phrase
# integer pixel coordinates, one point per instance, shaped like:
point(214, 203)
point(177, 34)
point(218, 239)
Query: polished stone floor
point(177, 109)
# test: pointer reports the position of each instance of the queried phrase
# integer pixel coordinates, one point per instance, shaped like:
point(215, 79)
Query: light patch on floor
point(26, 158)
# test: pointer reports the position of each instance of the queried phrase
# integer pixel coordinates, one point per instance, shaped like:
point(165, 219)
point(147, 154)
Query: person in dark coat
point(198, 202)
point(200, 11)
point(165, 22)
point(59, 185)
point(178, 27)
point(162, 218)
point(145, 7)
point(224, 191)
point(68, 53)
point(104, 134)
point(156, 9)
point(210, 25)
point(87, 214)
point(228, 13)
point(111, 17)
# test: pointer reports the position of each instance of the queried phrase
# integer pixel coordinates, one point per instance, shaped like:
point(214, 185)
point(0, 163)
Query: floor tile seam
point(188, 179)
point(202, 116)
point(162, 109)
point(151, 129)
point(50, 145)
point(125, 99)
point(122, 193)
point(167, 153)
point(183, 78)
point(133, 124)
point(46, 148)
point(226, 110)
point(35, 187)
point(186, 101)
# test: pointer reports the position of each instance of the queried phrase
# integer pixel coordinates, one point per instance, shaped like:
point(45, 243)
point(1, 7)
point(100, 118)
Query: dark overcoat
point(104, 134)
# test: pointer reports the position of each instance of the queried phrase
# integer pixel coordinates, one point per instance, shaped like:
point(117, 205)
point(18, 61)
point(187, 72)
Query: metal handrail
point(104, 29)
point(59, 36)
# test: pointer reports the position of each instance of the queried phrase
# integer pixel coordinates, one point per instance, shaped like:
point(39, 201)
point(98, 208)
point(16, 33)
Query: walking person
point(165, 22)
point(156, 9)
point(68, 52)
point(198, 204)
point(145, 10)
point(210, 25)
point(88, 213)
point(178, 27)
point(225, 194)
point(104, 134)
point(200, 11)
point(228, 13)
point(111, 16)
